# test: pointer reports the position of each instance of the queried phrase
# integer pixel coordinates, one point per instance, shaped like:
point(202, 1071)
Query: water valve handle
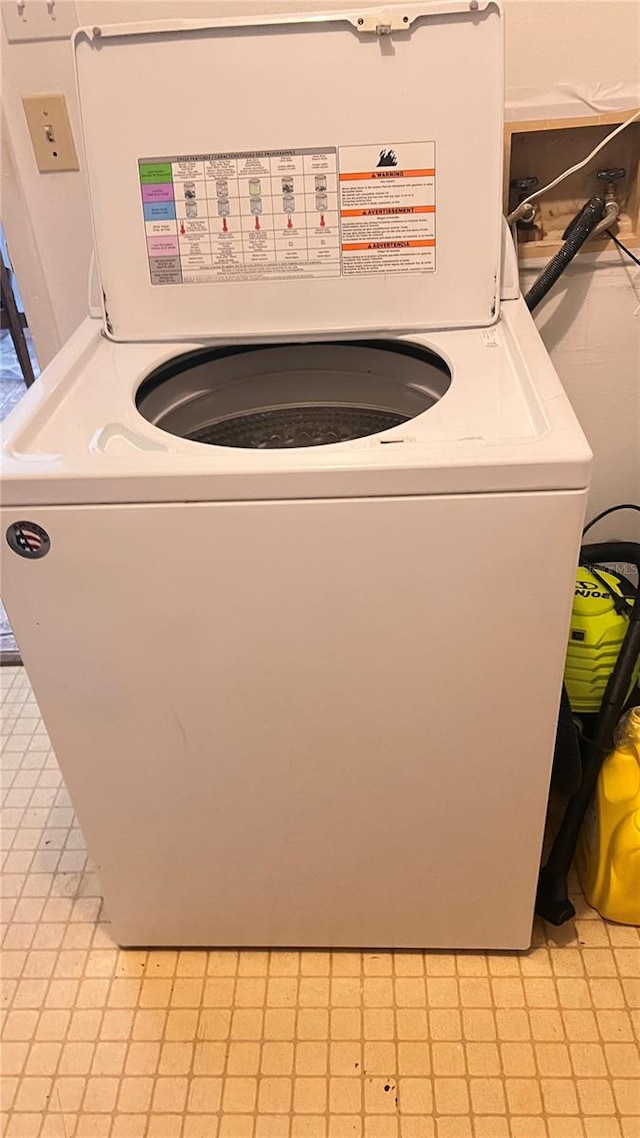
point(525, 212)
point(612, 174)
point(523, 183)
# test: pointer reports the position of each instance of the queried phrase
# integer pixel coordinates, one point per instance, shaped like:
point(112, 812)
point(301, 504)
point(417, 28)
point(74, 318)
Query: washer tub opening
point(267, 397)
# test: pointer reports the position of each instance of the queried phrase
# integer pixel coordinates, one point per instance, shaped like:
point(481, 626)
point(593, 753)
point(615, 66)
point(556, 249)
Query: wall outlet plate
point(39, 19)
point(50, 130)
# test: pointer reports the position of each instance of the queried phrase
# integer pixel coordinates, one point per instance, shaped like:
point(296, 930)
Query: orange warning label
point(387, 207)
point(392, 173)
point(383, 211)
point(427, 244)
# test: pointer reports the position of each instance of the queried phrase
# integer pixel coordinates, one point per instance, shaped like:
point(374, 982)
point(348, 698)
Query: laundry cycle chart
point(289, 214)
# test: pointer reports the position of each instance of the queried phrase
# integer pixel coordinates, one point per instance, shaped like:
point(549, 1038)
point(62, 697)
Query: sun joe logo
point(591, 590)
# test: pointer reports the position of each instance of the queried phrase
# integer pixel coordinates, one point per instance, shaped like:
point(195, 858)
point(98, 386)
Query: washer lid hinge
point(386, 21)
point(383, 22)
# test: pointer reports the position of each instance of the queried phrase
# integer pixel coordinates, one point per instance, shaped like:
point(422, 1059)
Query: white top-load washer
point(291, 531)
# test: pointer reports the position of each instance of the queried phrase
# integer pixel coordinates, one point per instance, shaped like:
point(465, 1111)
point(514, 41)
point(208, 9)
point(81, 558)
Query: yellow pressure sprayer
point(552, 900)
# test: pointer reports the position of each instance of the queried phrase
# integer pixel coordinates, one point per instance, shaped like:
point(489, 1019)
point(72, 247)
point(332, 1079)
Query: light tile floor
point(192, 1044)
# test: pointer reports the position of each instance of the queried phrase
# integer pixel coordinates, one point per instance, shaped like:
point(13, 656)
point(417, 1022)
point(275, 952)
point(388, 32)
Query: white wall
point(562, 57)
point(590, 324)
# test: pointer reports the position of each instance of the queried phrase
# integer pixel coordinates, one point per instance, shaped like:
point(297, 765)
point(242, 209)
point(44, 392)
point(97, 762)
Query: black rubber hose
point(606, 552)
point(577, 233)
point(566, 772)
point(552, 901)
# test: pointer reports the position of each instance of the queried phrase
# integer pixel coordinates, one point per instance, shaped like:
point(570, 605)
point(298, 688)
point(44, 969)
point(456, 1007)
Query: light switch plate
point(50, 130)
point(39, 19)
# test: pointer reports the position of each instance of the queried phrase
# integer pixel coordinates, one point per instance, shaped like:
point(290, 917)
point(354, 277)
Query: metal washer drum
point(280, 396)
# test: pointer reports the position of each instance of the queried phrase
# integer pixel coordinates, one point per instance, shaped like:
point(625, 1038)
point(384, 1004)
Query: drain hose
point(576, 234)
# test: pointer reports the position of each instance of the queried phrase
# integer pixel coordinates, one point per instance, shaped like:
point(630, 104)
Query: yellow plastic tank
point(608, 853)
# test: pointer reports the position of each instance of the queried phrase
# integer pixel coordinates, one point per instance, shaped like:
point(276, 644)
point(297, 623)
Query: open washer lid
point(296, 176)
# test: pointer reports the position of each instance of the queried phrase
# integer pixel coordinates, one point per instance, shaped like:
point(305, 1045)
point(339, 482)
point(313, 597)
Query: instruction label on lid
point(289, 214)
point(246, 216)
